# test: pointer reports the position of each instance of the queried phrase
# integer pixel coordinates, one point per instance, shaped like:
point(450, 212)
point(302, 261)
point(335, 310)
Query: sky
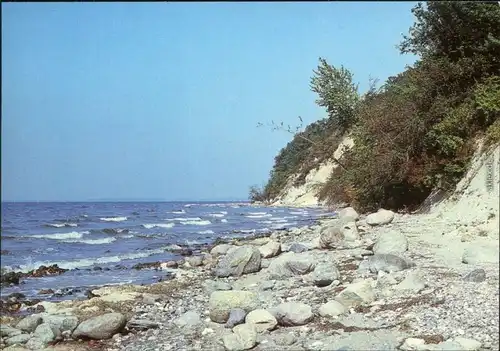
point(162, 100)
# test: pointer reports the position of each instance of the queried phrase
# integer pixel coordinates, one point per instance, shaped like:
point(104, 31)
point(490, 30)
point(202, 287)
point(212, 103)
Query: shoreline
point(175, 314)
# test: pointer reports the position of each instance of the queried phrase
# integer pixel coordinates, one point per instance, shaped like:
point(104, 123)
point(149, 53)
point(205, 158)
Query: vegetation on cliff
point(414, 133)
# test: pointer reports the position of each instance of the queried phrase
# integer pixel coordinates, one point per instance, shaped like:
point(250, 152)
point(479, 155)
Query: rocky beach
point(379, 282)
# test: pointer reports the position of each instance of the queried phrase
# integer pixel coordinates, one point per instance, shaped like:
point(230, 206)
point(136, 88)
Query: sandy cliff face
point(305, 195)
point(476, 200)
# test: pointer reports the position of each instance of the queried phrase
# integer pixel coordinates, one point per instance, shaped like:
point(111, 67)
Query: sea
point(100, 242)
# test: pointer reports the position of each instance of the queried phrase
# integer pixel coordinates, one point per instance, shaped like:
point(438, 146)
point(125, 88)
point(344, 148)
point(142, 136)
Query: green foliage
point(416, 132)
point(256, 194)
point(337, 93)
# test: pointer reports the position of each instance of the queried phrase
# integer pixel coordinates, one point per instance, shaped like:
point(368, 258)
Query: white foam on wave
point(60, 236)
point(300, 213)
point(61, 225)
point(178, 212)
point(223, 220)
point(113, 219)
point(216, 215)
point(184, 219)
point(197, 222)
point(92, 241)
point(260, 216)
point(257, 213)
point(84, 262)
point(206, 232)
point(158, 225)
point(283, 225)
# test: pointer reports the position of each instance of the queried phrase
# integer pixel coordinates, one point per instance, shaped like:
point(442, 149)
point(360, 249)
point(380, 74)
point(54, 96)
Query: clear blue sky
point(161, 100)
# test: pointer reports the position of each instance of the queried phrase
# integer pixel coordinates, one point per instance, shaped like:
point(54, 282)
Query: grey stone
point(271, 249)
point(331, 237)
point(189, 319)
point(262, 320)
point(17, 339)
point(332, 309)
point(100, 327)
point(380, 218)
point(222, 302)
point(290, 265)
point(391, 242)
point(356, 293)
point(298, 248)
point(236, 317)
point(44, 333)
point(348, 214)
point(29, 323)
point(476, 276)
point(243, 260)
point(220, 249)
point(384, 262)
point(267, 285)
point(194, 261)
point(293, 313)
point(244, 337)
point(60, 323)
point(325, 273)
point(8, 331)
point(213, 285)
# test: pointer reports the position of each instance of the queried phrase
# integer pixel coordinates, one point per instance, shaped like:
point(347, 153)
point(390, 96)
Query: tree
point(256, 194)
point(337, 93)
point(455, 29)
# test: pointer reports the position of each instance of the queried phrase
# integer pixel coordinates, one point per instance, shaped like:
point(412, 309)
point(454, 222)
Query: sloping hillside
point(306, 194)
point(411, 136)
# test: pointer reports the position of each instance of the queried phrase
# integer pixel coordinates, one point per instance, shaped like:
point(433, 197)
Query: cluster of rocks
point(350, 283)
point(14, 278)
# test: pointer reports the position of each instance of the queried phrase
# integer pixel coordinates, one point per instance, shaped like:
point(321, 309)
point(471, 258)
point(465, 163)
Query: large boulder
point(356, 294)
point(331, 236)
point(325, 273)
point(384, 262)
point(332, 309)
point(391, 242)
point(60, 323)
point(262, 320)
point(100, 327)
point(380, 217)
point(220, 249)
point(243, 260)
point(291, 314)
point(29, 323)
point(222, 302)
point(348, 214)
point(271, 249)
point(289, 265)
point(243, 337)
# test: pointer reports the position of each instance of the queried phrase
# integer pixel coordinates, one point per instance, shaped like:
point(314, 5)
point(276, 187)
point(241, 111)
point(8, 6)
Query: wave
point(205, 222)
point(84, 262)
point(60, 236)
point(184, 219)
point(111, 230)
point(257, 213)
point(92, 241)
point(216, 215)
point(300, 213)
point(260, 216)
point(159, 225)
point(179, 211)
point(223, 220)
point(206, 232)
point(60, 225)
point(113, 219)
point(283, 225)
